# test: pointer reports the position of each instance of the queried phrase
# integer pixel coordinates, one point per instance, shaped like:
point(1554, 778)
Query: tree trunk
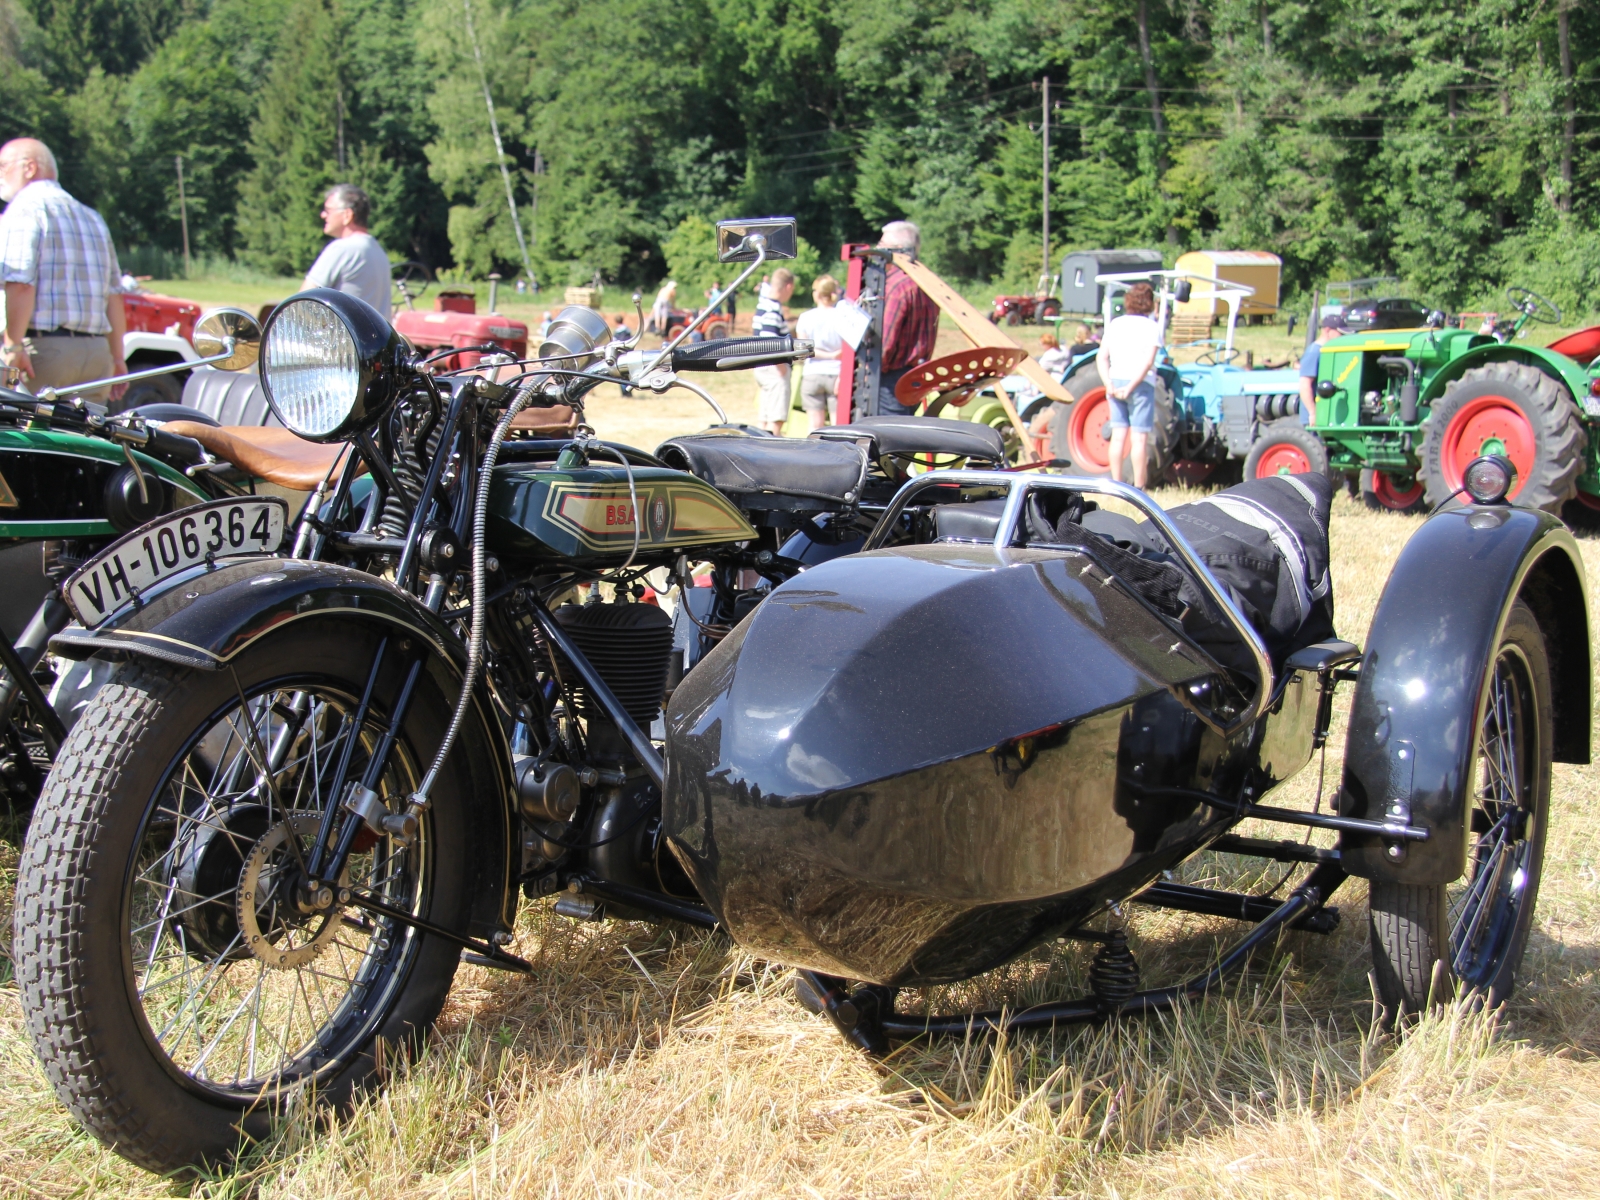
point(1569, 132)
point(1156, 118)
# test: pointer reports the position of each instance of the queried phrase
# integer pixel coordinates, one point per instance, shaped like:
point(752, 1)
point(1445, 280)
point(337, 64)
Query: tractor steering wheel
point(1533, 306)
point(1215, 357)
point(410, 280)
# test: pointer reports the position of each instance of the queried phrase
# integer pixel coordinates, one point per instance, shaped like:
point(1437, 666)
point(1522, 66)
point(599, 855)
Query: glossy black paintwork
point(1423, 673)
point(909, 765)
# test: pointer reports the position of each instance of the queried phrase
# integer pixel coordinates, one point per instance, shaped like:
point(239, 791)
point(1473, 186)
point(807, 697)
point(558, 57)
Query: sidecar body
point(912, 764)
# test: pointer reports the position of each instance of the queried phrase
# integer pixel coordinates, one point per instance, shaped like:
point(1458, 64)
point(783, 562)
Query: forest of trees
point(1451, 143)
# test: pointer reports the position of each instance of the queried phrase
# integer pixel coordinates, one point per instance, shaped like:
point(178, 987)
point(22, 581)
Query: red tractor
point(160, 332)
point(456, 323)
point(1038, 308)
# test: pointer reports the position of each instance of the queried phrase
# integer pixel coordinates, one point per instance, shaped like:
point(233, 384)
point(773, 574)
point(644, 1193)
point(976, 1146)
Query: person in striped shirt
point(769, 321)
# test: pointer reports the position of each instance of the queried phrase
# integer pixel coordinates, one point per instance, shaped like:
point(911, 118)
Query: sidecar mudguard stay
point(204, 619)
point(1414, 719)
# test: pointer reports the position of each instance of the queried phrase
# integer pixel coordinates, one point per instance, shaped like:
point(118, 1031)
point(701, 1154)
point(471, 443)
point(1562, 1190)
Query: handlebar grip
point(738, 354)
point(173, 445)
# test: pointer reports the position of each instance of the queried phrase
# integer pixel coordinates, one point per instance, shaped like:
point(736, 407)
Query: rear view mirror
point(737, 240)
point(213, 329)
point(1182, 290)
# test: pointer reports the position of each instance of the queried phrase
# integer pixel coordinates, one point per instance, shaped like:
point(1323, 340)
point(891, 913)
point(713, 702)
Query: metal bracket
point(1397, 804)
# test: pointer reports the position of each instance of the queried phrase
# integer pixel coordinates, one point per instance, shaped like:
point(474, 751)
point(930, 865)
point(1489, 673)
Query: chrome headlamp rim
point(382, 362)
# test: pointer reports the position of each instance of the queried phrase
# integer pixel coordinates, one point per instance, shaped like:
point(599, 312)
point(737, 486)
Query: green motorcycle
point(72, 480)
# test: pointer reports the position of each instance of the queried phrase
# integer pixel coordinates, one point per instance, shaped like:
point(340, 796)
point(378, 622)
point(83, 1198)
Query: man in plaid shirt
point(910, 320)
point(64, 318)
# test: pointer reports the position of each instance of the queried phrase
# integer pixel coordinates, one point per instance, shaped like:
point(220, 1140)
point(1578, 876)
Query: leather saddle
point(898, 437)
point(265, 452)
point(770, 473)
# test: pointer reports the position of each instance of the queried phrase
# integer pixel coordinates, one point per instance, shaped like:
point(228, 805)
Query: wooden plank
point(977, 328)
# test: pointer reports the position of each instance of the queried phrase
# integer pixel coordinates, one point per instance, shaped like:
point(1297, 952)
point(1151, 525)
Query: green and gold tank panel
point(589, 516)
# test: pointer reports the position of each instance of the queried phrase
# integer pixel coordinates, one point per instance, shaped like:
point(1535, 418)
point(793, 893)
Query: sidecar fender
point(1414, 720)
point(204, 618)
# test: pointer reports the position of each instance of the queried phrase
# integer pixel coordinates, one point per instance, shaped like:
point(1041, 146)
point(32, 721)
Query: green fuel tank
point(589, 516)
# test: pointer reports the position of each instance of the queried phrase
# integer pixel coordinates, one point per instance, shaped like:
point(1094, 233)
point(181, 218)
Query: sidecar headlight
point(330, 364)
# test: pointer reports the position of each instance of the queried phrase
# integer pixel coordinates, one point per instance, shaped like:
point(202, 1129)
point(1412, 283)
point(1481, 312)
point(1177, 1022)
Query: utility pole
point(494, 130)
point(1045, 126)
point(183, 217)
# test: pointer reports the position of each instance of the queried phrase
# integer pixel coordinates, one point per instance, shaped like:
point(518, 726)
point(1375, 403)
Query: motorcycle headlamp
point(330, 364)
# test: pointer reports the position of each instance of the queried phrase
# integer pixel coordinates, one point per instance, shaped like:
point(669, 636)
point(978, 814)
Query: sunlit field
point(640, 1061)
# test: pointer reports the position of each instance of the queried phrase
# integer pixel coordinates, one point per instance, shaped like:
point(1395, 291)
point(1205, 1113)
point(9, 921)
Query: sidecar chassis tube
point(646, 753)
point(868, 1030)
point(674, 907)
point(487, 955)
point(1017, 488)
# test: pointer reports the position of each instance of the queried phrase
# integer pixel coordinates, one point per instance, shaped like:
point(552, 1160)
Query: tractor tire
point(158, 389)
point(1513, 409)
point(1582, 512)
point(1013, 317)
point(1088, 443)
point(1048, 311)
point(1382, 491)
point(1286, 448)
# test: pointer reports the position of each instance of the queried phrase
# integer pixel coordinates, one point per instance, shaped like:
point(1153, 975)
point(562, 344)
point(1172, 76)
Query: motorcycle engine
point(630, 645)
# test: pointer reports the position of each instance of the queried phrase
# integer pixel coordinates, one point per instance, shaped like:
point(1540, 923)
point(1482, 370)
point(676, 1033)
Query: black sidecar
point(912, 764)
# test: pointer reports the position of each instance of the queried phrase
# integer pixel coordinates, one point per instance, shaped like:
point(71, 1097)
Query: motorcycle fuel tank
point(590, 516)
point(910, 765)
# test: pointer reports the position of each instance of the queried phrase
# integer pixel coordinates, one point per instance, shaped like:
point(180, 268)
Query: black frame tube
point(318, 851)
point(652, 762)
point(430, 485)
point(49, 723)
point(675, 907)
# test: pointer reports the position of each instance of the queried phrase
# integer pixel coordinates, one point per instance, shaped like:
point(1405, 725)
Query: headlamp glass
point(1488, 479)
point(311, 368)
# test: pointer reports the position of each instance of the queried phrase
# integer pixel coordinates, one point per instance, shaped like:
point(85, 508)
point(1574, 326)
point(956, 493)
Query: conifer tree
point(295, 144)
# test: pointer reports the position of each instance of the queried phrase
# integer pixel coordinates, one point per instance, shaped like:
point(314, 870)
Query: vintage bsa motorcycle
point(318, 775)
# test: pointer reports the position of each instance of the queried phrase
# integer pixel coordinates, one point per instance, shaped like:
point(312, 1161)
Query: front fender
point(1414, 720)
point(204, 618)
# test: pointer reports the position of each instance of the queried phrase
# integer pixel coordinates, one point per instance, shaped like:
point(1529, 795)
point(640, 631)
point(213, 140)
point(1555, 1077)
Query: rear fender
point(204, 619)
point(1546, 360)
point(1414, 719)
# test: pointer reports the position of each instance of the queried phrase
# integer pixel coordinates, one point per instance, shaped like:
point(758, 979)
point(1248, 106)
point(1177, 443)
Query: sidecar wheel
point(1428, 940)
point(176, 999)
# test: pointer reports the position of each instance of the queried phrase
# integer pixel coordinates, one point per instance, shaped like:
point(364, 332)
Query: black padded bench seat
point(919, 435)
point(766, 473)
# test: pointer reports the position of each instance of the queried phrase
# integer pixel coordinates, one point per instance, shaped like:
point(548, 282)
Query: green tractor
point(1405, 410)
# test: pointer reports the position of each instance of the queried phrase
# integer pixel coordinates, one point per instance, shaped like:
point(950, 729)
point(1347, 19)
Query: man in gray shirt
point(353, 262)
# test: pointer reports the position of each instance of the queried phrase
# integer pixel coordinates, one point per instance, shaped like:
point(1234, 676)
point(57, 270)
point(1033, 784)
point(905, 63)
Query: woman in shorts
point(819, 378)
point(1126, 362)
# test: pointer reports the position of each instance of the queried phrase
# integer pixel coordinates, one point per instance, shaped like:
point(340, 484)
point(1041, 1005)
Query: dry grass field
point(643, 1062)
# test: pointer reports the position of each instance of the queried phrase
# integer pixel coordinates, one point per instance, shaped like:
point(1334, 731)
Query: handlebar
point(738, 354)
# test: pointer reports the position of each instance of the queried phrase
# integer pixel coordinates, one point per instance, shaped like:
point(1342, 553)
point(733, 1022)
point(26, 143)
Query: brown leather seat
point(556, 421)
point(265, 452)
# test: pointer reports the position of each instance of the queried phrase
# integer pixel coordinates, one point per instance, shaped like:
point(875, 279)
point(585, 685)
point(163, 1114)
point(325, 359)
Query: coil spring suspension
point(396, 515)
point(1114, 974)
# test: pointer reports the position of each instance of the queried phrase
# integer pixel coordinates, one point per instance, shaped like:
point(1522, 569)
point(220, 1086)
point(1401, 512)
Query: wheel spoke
point(242, 1018)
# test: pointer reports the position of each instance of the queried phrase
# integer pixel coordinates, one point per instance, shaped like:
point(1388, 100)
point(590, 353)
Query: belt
point(60, 331)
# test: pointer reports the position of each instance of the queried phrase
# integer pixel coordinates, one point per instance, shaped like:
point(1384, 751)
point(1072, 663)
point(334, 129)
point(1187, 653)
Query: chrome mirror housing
point(214, 330)
point(743, 240)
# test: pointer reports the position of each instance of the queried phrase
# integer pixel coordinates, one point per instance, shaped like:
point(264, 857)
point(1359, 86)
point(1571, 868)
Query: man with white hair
point(910, 319)
point(64, 316)
point(353, 262)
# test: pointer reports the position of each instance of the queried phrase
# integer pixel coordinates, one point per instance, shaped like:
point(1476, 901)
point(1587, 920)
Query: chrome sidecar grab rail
point(1017, 488)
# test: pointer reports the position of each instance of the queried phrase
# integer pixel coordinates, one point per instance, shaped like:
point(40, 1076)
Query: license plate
point(138, 561)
